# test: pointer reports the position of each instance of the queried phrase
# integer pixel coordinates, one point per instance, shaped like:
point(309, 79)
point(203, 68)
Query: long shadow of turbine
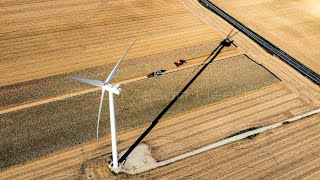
point(225, 43)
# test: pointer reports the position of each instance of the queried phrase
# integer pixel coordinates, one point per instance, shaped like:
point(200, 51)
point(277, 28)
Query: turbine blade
point(90, 81)
point(99, 114)
point(113, 72)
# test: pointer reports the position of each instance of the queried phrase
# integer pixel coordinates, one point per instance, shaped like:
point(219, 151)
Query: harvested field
point(231, 116)
point(198, 124)
point(48, 38)
point(293, 26)
point(53, 126)
point(293, 79)
point(53, 86)
point(287, 152)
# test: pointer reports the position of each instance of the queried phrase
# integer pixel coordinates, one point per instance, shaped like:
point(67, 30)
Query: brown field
point(57, 125)
point(248, 99)
point(291, 151)
point(24, 93)
point(178, 134)
point(293, 26)
point(298, 83)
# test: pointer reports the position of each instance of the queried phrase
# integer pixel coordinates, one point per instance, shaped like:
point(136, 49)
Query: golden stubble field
point(45, 43)
point(286, 153)
point(293, 26)
point(41, 39)
point(174, 135)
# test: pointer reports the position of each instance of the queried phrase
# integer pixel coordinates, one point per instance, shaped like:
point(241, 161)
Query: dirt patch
point(141, 156)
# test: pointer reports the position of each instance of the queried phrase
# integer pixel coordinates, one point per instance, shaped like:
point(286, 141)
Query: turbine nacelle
point(114, 89)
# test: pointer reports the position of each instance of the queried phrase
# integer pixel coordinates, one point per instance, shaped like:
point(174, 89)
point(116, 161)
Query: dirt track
point(291, 25)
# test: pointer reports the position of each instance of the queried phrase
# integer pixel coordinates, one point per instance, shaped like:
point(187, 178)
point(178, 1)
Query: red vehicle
point(156, 73)
point(180, 62)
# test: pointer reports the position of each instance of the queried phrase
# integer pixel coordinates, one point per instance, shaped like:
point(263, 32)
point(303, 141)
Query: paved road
point(276, 51)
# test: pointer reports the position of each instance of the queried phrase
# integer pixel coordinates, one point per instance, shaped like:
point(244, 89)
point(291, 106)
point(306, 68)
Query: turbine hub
point(114, 89)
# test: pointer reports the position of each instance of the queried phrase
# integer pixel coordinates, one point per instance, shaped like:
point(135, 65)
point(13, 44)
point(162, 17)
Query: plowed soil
point(65, 37)
point(53, 126)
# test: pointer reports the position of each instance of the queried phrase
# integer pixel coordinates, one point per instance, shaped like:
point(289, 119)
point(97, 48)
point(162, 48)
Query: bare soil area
point(230, 97)
point(178, 134)
point(53, 86)
point(53, 126)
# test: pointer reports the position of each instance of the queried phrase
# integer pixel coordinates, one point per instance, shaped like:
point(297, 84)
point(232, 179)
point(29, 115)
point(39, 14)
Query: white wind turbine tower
point(105, 86)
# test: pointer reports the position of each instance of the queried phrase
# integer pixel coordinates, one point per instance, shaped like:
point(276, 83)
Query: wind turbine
point(105, 86)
